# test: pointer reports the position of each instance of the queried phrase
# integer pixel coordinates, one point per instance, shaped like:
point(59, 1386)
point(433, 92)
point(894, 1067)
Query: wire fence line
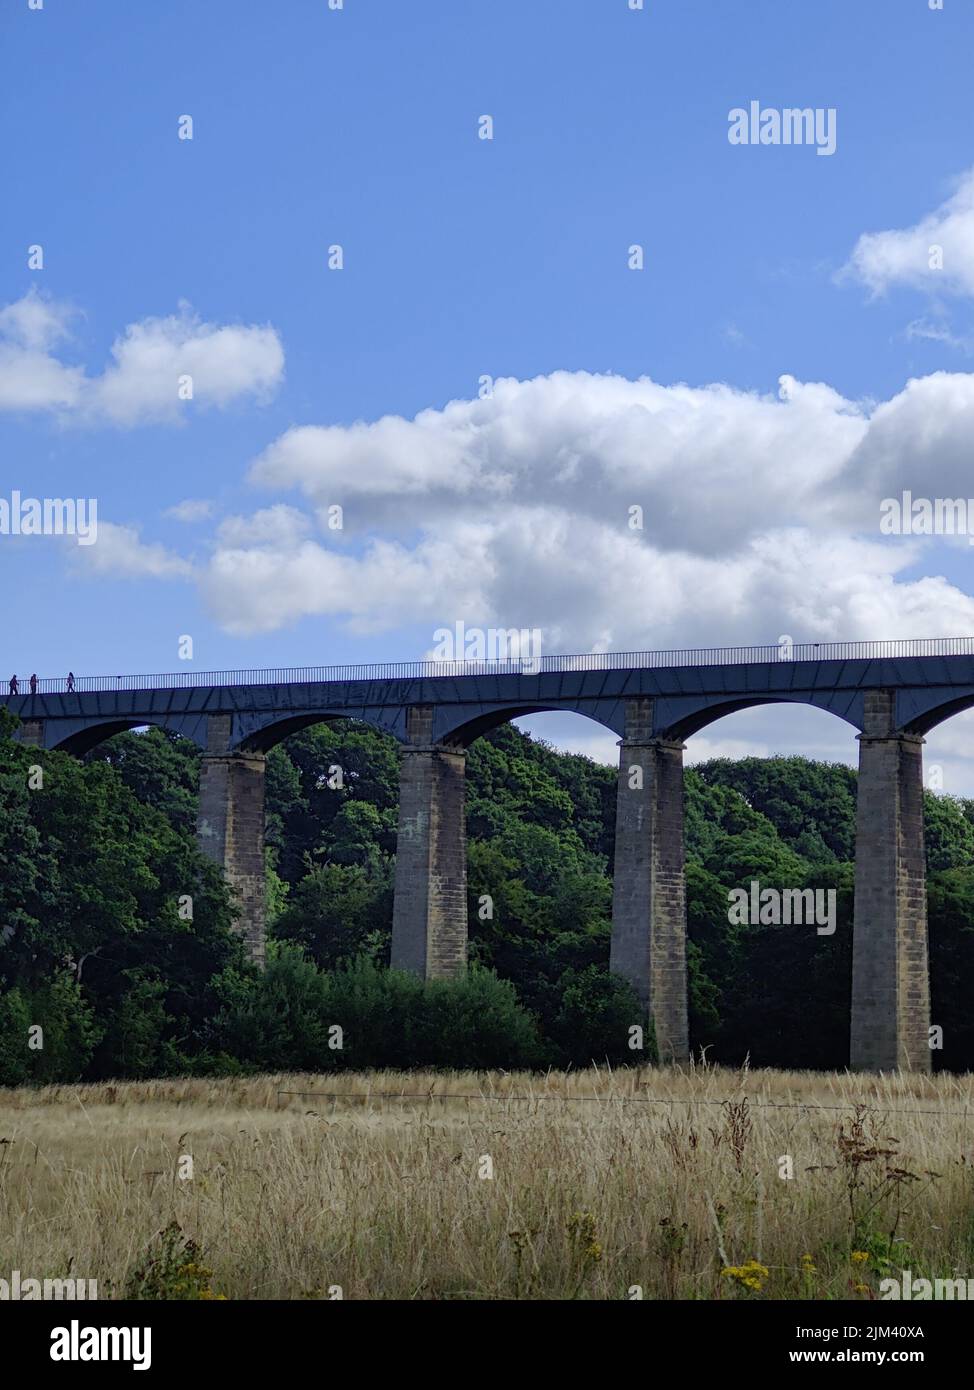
point(519, 665)
point(622, 1100)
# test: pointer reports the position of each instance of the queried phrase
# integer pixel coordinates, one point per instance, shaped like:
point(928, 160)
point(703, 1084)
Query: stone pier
point(429, 920)
point(230, 827)
point(890, 981)
point(649, 884)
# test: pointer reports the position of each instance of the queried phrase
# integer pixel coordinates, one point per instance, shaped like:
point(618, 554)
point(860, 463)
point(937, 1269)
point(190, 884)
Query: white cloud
point(903, 257)
point(30, 378)
point(573, 441)
point(119, 553)
point(702, 747)
point(923, 330)
point(192, 509)
point(918, 440)
point(151, 357)
point(760, 516)
point(150, 364)
point(35, 323)
point(274, 526)
point(260, 588)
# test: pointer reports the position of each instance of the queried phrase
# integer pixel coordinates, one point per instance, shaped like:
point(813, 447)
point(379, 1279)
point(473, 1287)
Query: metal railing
point(438, 670)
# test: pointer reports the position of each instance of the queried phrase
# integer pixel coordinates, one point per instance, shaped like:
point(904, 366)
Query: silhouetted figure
point(70, 680)
point(14, 687)
point(33, 685)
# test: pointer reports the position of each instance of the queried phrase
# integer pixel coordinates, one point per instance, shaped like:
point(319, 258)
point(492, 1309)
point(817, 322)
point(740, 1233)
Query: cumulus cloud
point(151, 358)
point(259, 588)
point(920, 440)
point(120, 553)
point(35, 323)
point(759, 516)
point(30, 377)
point(273, 526)
point(157, 366)
point(576, 441)
point(907, 256)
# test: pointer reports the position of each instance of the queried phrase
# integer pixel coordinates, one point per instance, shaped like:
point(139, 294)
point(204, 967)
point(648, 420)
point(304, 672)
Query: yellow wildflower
point(750, 1275)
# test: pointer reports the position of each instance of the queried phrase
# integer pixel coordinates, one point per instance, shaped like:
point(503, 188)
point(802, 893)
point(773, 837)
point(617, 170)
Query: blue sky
point(462, 258)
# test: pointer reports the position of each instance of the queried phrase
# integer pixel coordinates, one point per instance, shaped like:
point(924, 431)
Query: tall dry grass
point(656, 1179)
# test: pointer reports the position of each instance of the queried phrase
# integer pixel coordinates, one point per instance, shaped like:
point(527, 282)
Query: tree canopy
point(116, 934)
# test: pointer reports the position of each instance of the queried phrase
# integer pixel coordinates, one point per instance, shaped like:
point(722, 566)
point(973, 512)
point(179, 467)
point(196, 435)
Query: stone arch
point(693, 722)
point(923, 724)
point(267, 735)
point(82, 740)
point(472, 727)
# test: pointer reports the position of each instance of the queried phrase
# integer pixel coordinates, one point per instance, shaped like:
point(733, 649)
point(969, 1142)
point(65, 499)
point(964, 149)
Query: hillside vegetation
point(96, 949)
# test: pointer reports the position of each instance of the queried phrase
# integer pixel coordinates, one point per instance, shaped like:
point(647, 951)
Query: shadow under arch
point(83, 740)
point(710, 714)
point(276, 731)
point(466, 733)
point(924, 723)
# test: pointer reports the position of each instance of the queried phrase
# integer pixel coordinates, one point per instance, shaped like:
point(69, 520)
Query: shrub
point(474, 1022)
point(285, 1019)
point(273, 1021)
point(67, 1038)
point(595, 1017)
point(171, 1270)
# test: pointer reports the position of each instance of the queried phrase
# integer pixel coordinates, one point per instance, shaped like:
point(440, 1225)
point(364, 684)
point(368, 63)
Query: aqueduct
point(891, 692)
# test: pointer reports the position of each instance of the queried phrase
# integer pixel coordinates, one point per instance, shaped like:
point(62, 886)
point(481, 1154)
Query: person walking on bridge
point(70, 681)
point(14, 687)
point(33, 684)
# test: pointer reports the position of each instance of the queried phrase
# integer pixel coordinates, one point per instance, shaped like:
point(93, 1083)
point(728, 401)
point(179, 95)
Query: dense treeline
point(116, 934)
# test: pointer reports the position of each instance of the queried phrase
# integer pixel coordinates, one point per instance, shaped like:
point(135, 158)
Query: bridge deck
point(931, 677)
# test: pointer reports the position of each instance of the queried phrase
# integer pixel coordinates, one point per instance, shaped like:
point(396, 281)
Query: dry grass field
point(472, 1186)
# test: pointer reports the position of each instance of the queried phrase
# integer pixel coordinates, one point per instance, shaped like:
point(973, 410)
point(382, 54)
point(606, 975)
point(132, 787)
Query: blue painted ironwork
point(932, 677)
point(588, 661)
